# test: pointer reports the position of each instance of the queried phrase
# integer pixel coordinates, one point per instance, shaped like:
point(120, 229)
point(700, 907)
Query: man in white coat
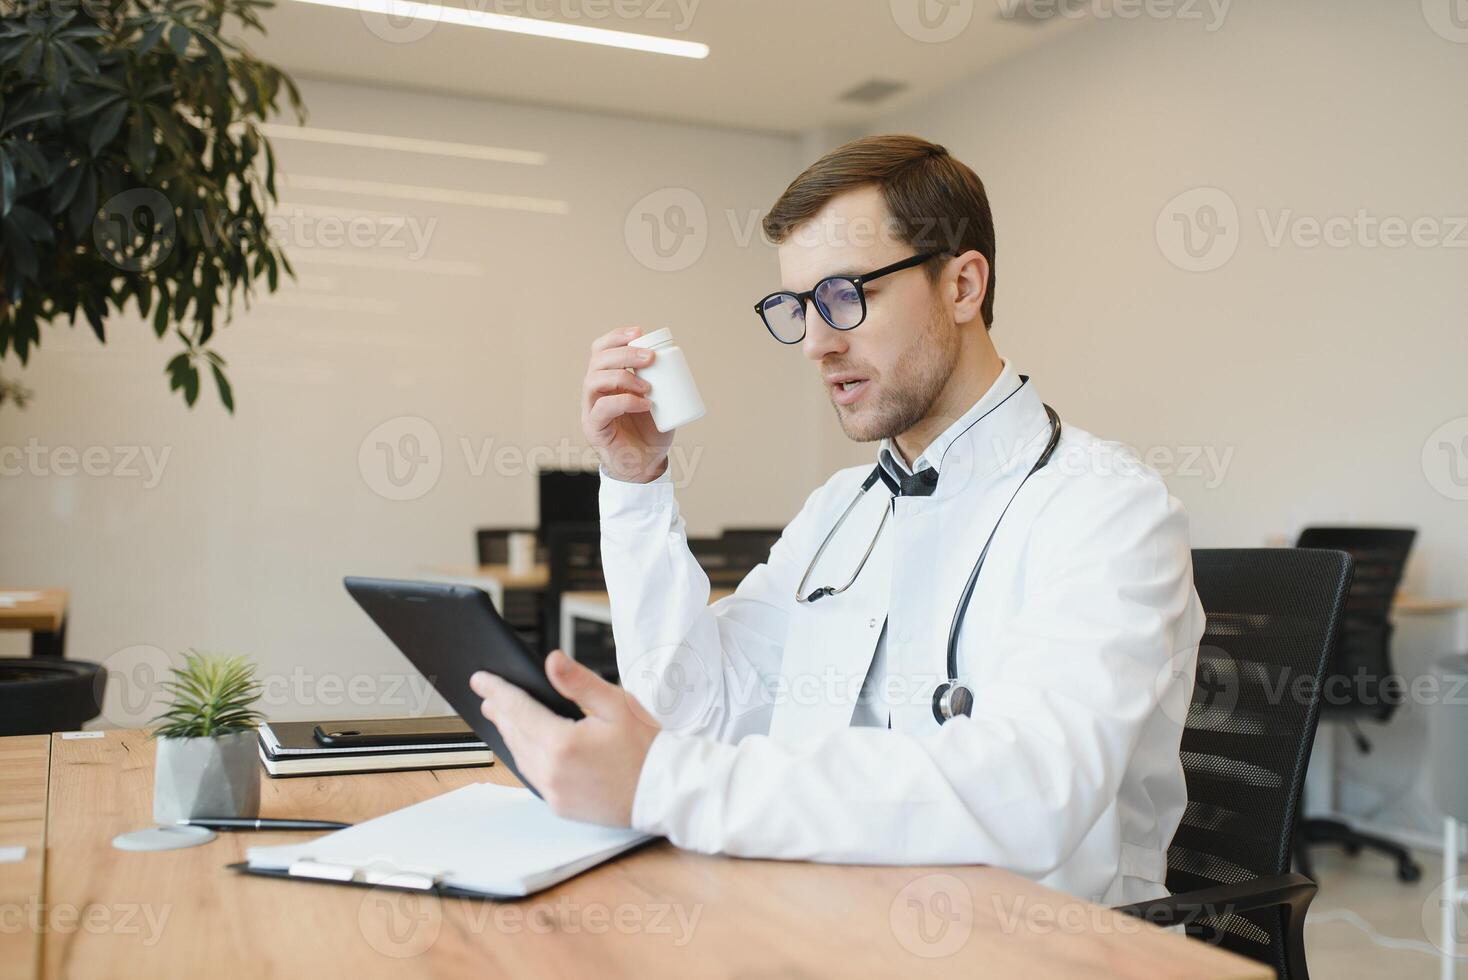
point(797, 717)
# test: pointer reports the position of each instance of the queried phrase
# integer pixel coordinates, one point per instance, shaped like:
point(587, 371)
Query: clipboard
point(478, 841)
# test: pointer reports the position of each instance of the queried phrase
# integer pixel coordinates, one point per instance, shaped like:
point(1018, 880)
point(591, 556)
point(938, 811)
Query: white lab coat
point(1079, 646)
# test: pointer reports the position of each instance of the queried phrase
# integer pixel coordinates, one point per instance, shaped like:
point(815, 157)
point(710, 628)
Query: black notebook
point(290, 748)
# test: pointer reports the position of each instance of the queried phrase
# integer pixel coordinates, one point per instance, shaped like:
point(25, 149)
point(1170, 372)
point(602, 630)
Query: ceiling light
point(438, 195)
point(407, 144)
point(434, 12)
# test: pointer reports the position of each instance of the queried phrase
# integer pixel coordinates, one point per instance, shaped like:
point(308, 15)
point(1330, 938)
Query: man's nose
point(820, 337)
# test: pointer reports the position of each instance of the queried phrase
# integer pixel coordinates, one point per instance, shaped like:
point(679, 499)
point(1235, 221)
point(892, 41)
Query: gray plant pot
point(206, 777)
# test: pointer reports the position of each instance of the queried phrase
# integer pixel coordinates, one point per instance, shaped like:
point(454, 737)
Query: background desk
point(596, 607)
point(182, 913)
point(44, 617)
point(493, 579)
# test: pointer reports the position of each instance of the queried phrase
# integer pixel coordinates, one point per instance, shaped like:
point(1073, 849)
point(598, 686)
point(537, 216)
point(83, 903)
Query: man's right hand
point(615, 410)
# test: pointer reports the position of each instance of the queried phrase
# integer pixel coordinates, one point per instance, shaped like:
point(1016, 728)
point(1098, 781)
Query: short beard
point(914, 386)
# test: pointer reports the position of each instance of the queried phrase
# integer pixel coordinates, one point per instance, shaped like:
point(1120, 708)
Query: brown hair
point(936, 201)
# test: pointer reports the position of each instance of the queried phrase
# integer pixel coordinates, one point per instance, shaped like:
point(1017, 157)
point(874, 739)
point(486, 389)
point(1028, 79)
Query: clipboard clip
point(387, 877)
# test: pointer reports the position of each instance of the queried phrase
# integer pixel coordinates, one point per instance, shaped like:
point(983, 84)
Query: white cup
point(522, 553)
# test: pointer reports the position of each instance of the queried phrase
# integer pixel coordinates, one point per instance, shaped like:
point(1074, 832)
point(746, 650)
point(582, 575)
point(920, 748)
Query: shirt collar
point(891, 459)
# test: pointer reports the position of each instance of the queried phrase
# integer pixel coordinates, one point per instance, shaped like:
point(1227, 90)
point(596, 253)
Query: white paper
point(82, 734)
point(9, 600)
point(484, 837)
point(9, 855)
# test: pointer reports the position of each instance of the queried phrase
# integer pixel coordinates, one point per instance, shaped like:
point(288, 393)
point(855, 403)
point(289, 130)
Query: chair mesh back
point(574, 553)
point(1272, 619)
point(1362, 655)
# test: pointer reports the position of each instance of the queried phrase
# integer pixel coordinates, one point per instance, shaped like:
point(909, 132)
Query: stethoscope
point(951, 699)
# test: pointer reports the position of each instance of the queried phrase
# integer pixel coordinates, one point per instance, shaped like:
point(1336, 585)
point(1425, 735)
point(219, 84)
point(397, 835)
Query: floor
point(1363, 893)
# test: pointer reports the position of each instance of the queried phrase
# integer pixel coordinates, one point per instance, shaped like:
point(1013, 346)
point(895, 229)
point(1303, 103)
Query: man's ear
point(971, 281)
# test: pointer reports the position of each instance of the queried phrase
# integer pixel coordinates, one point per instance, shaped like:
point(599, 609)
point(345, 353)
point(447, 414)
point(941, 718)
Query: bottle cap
point(662, 336)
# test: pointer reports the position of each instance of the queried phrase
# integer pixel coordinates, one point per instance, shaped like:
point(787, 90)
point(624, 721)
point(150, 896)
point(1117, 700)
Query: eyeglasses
point(841, 301)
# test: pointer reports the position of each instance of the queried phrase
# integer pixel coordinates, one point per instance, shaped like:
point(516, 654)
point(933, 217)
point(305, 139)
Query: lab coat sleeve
point(1020, 783)
point(698, 669)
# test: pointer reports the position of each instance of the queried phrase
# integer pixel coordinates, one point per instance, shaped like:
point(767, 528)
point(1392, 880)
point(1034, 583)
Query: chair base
point(1316, 831)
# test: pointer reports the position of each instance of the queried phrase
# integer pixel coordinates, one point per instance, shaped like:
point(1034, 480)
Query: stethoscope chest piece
point(951, 700)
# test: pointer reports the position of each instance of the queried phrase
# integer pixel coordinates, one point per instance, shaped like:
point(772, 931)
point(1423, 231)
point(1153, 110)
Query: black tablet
point(448, 632)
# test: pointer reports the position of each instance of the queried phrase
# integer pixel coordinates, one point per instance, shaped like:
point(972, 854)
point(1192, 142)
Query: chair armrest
point(1293, 890)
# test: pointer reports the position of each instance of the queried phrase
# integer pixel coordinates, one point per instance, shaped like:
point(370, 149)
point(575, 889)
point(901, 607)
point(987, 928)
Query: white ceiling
point(774, 65)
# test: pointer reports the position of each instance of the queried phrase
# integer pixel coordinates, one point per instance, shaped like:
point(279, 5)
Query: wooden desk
point(42, 613)
point(656, 912)
point(24, 765)
point(1412, 605)
point(493, 579)
point(597, 607)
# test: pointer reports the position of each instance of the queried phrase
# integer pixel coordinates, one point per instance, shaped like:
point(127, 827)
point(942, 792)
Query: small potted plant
point(205, 765)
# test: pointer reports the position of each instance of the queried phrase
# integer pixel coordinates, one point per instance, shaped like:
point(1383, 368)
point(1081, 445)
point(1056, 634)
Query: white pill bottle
point(674, 396)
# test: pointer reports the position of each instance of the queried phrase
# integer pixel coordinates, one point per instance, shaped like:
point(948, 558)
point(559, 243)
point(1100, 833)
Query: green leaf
point(106, 128)
point(160, 315)
point(65, 188)
point(191, 385)
point(18, 249)
point(141, 150)
point(35, 226)
point(94, 103)
point(7, 184)
point(178, 40)
point(150, 37)
point(226, 394)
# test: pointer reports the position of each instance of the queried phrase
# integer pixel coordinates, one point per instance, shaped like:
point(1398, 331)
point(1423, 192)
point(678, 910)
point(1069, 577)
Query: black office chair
point(575, 566)
point(755, 536)
point(522, 606)
point(719, 560)
point(1273, 615)
point(750, 546)
point(1360, 680)
point(39, 695)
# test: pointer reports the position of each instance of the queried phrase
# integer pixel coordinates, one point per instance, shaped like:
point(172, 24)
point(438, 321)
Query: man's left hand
point(585, 770)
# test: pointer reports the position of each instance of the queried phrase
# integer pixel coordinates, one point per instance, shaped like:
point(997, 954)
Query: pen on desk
point(260, 823)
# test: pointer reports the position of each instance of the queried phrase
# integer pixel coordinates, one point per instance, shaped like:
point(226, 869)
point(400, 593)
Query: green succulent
point(212, 696)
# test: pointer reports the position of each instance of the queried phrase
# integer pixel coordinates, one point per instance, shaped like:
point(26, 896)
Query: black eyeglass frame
point(858, 282)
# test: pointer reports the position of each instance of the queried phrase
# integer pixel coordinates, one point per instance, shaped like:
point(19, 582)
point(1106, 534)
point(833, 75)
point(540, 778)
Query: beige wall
point(241, 545)
point(1318, 373)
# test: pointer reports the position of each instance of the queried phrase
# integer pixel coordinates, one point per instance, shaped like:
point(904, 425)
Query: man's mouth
point(847, 389)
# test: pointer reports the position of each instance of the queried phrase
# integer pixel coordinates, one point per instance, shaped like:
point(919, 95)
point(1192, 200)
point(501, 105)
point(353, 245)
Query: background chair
point(492, 544)
point(567, 497)
point(1273, 615)
point(750, 546)
point(1360, 667)
point(575, 566)
point(522, 606)
point(39, 695)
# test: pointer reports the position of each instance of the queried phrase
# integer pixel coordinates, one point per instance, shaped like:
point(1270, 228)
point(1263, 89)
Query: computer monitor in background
point(568, 497)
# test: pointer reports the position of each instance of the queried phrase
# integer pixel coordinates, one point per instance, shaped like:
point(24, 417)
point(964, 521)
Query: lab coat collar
point(1012, 415)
